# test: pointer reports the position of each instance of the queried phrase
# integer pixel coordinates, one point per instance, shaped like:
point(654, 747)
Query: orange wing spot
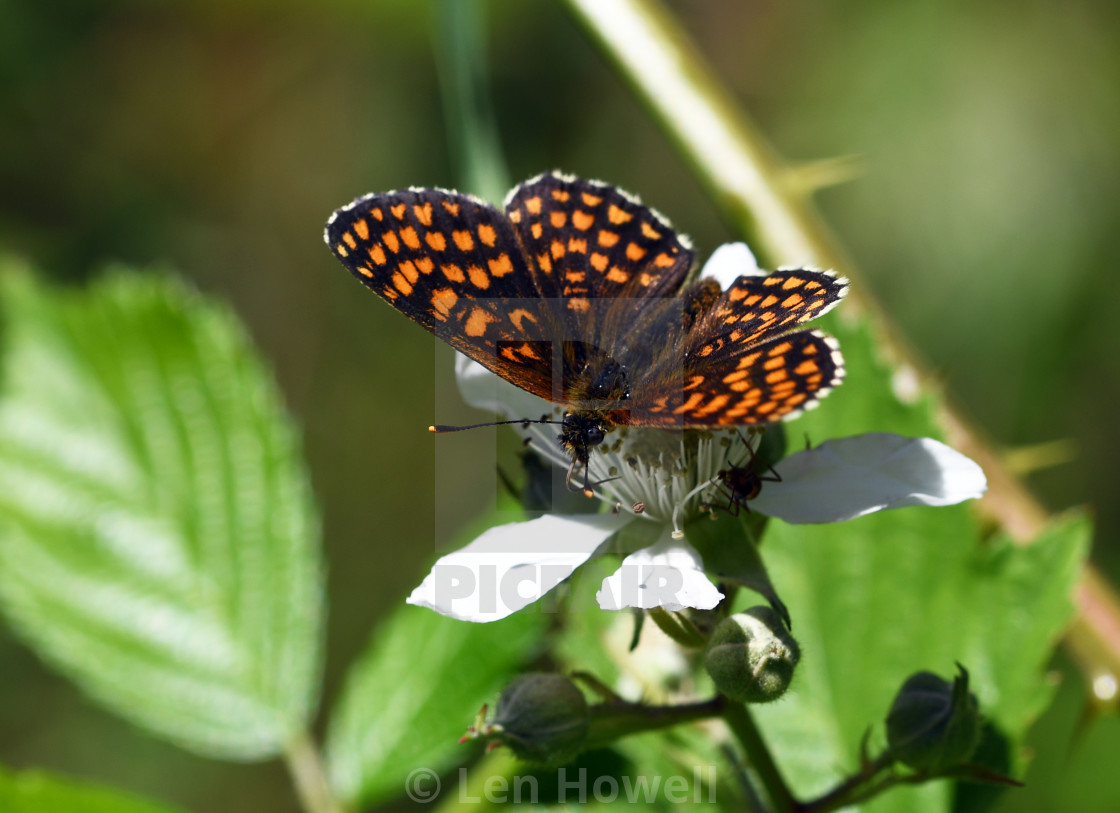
point(645, 279)
point(476, 323)
point(501, 266)
point(377, 214)
point(479, 278)
point(634, 252)
point(796, 398)
point(793, 301)
point(453, 272)
point(409, 271)
point(561, 195)
point(807, 367)
point(398, 211)
point(707, 350)
point(533, 205)
point(663, 260)
point(579, 305)
point(463, 240)
point(650, 232)
point(377, 254)
point(582, 220)
point(772, 280)
point(401, 283)
point(752, 300)
point(812, 285)
point(389, 293)
point(443, 300)
point(545, 263)
point(528, 352)
point(515, 216)
point(423, 213)
point(693, 382)
point(361, 228)
point(557, 249)
point(341, 249)
point(769, 302)
point(748, 361)
point(731, 378)
point(436, 240)
point(792, 282)
point(408, 234)
point(735, 336)
point(487, 234)
point(591, 200)
point(693, 401)
point(451, 207)
point(810, 350)
point(739, 386)
point(537, 229)
point(348, 238)
point(766, 409)
point(519, 316)
point(777, 376)
point(618, 216)
point(730, 320)
point(618, 275)
point(608, 238)
point(578, 246)
point(390, 239)
point(365, 271)
point(575, 276)
point(775, 363)
point(510, 354)
point(816, 303)
point(780, 349)
point(558, 219)
point(425, 265)
point(735, 294)
point(813, 380)
point(599, 261)
point(716, 404)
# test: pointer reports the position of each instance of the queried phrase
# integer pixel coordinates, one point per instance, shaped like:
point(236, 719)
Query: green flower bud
point(933, 724)
point(543, 718)
point(751, 656)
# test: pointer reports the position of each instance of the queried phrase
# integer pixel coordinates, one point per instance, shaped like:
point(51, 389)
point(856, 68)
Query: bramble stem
point(763, 197)
point(759, 760)
point(309, 776)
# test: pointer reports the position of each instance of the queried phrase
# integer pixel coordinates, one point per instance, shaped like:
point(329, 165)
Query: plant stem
point(762, 196)
point(758, 757)
point(613, 720)
point(309, 776)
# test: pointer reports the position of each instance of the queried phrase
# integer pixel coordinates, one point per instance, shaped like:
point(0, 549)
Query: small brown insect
point(739, 484)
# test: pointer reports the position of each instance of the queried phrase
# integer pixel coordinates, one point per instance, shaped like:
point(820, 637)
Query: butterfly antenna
point(440, 428)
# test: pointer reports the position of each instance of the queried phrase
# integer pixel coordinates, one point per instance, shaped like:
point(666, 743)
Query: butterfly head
point(580, 432)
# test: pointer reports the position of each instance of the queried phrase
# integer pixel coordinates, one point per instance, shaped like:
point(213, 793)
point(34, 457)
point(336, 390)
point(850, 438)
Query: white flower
point(667, 477)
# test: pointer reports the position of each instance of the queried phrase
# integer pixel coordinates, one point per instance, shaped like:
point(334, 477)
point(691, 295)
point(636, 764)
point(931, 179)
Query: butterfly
point(576, 292)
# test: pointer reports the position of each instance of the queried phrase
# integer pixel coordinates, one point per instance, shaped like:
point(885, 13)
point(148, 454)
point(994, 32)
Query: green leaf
point(158, 541)
point(881, 597)
point(41, 792)
point(411, 696)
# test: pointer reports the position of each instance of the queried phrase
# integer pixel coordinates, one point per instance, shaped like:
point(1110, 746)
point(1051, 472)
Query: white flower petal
point(668, 574)
point(729, 262)
point(512, 566)
point(846, 478)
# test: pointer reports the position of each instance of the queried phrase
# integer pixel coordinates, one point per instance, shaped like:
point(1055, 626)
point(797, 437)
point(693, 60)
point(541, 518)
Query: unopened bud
point(933, 724)
point(543, 718)
point(751, 656)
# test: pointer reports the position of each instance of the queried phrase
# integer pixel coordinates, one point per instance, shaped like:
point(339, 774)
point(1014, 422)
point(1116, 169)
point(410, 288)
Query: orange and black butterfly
point(576, 293)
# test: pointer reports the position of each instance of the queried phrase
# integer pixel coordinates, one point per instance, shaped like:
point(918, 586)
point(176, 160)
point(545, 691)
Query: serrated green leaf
point(411, 696)
point(158, 541)
point(881, 597)
point(41, 792)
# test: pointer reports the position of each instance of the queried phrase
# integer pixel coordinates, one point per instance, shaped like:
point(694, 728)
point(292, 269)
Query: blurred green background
point(215, 139)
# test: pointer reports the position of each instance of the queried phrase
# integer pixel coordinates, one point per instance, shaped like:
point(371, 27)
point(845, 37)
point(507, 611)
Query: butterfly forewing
point(453, 264)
